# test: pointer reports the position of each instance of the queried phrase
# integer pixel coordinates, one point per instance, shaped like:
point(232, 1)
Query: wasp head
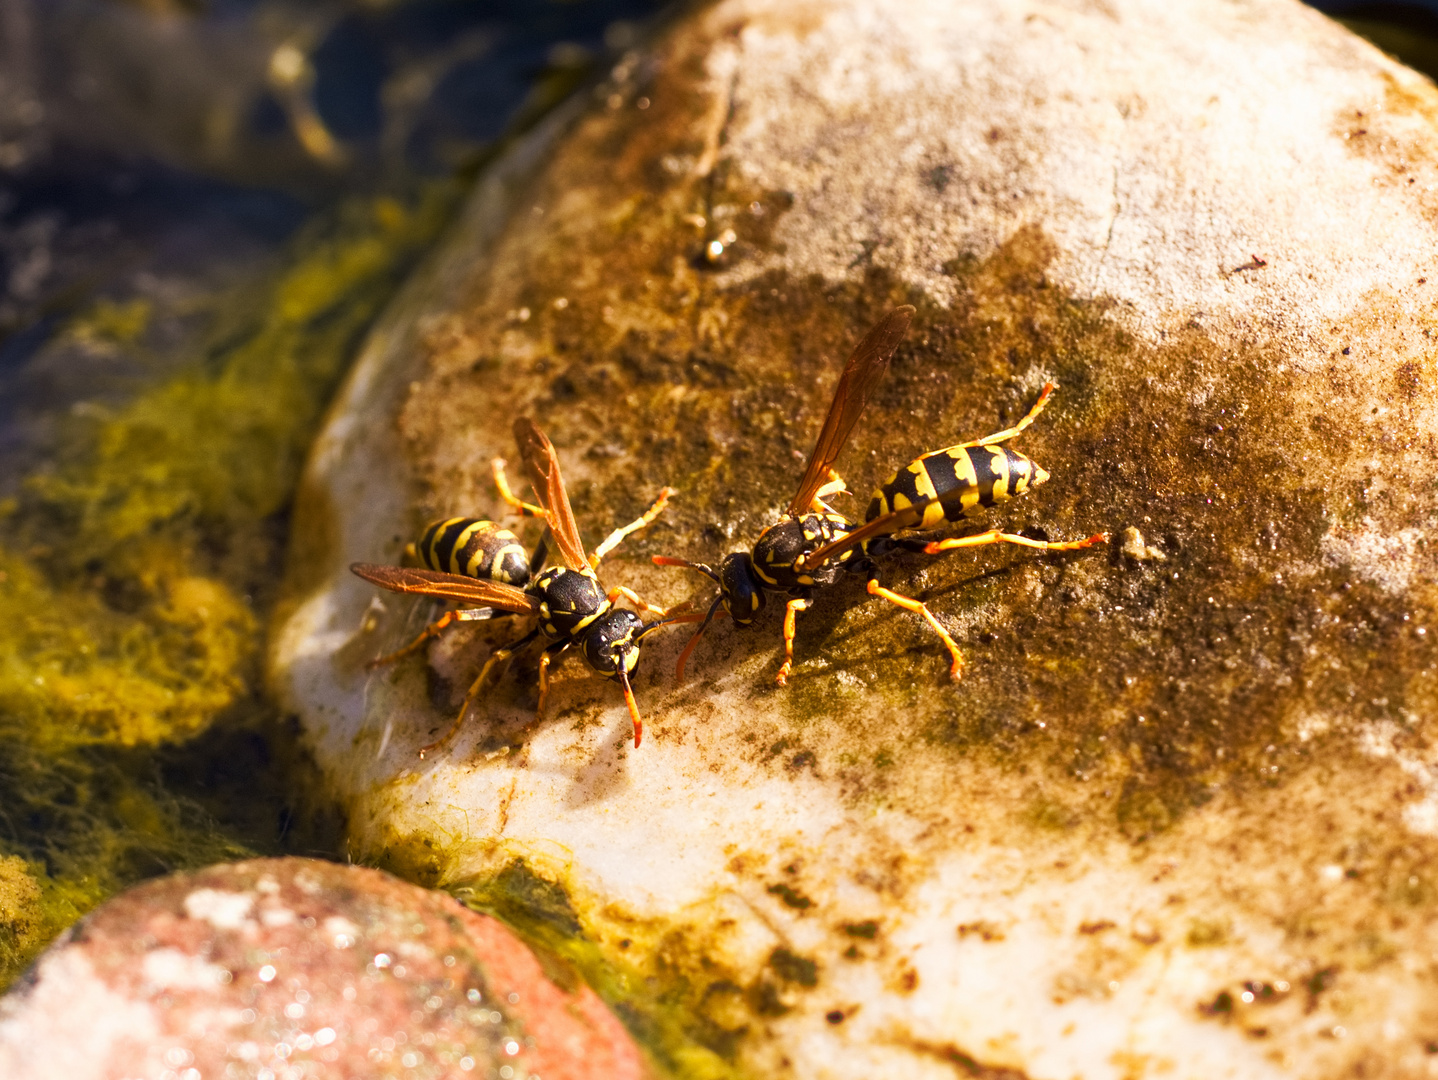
point(740, 588)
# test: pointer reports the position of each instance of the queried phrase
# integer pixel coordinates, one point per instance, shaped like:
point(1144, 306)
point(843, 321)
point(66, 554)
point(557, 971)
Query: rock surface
point(288, 968)
point(1179, 819)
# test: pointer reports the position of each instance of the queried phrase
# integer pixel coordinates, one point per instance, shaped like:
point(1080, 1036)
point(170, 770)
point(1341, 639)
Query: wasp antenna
point(693, 641)
point(633, 707)
point(669, 560)
point(649, 628)
point(685, 654)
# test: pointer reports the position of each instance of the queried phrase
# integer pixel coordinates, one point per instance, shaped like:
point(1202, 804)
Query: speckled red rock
point(279, 969)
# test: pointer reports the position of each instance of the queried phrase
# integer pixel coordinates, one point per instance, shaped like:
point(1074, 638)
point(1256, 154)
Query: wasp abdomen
point(475, 548)
point(958, 482)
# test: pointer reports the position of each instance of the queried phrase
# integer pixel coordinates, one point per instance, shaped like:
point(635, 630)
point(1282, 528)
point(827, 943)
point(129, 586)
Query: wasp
point(811, 543)
point(474, 562)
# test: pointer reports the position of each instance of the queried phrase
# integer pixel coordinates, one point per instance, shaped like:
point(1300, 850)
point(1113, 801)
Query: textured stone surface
point(289, 968)
point(1179, 818)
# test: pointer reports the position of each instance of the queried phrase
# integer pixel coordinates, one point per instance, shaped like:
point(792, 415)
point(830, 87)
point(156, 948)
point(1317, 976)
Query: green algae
point(679, 1007)
point(88, 823)
point(137, 571)
point(664, 979)
point(75, 670)
point(22, 914)
point(130, 604)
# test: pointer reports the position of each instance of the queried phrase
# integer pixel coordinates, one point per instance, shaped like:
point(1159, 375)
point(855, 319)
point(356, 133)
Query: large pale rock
point(1179, 817)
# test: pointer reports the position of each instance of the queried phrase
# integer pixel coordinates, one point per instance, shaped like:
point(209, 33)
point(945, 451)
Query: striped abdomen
point(963, 480)
point(474, 548)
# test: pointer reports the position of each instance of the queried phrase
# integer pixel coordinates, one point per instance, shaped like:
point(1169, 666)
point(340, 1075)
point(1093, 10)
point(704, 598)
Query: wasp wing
point(861, 375)
point(467, 590)
point(543, 465)
point(884, 525)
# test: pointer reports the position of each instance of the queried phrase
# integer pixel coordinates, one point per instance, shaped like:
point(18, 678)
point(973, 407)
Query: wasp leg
point(993, 536)
point(501, 482)
point(835, 486)
point(551, 652)
point(794, 607)
point(1009, 433)
point(633, 597)
point(613, 540)
point(433, 630)
point(910, 604)
point(499, 656)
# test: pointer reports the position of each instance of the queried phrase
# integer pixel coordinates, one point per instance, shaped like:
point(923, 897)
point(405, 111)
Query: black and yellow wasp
point(474, 562)
point(811, 543)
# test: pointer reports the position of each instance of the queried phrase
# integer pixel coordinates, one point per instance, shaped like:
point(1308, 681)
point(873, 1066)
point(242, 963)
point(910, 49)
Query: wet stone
point(1191, 762)
point(289, 968)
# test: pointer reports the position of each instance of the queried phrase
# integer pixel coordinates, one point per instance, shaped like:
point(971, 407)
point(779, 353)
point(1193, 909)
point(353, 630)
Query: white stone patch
point(275, 916)
point(171, 969)
point(1390, 562)
point(220, 908)
point(1421, 815)
point(70, 1024)
point(341, 931)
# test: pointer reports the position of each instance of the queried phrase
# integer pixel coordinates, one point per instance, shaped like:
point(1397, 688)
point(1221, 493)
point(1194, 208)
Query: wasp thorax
point(569, 600)
point(611, 642)
point(782, 545)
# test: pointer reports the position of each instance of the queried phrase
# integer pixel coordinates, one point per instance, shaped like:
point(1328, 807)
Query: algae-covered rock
point(1179, 816)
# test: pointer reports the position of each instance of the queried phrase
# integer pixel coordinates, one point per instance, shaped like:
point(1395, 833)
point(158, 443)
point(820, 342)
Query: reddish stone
point(283, 969)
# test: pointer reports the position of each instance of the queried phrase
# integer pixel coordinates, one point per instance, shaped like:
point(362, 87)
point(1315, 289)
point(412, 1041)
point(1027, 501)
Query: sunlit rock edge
point(1080, 861)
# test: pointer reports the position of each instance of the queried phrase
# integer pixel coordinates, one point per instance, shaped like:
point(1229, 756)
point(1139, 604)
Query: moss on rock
point(22, 914)
point(137, 572)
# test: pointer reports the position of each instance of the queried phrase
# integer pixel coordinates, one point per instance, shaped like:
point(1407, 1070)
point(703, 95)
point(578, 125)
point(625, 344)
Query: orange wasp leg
point(685, 653)
point(633, 708)
point(550, 654)
point(909, 604)
point(993, 536)
point(835, 486)
point(500, 656)
point(1009, 433)
point(614, 539)
point(793, 608)
point(633, 597)
point(433, 630)
point(501, 482)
